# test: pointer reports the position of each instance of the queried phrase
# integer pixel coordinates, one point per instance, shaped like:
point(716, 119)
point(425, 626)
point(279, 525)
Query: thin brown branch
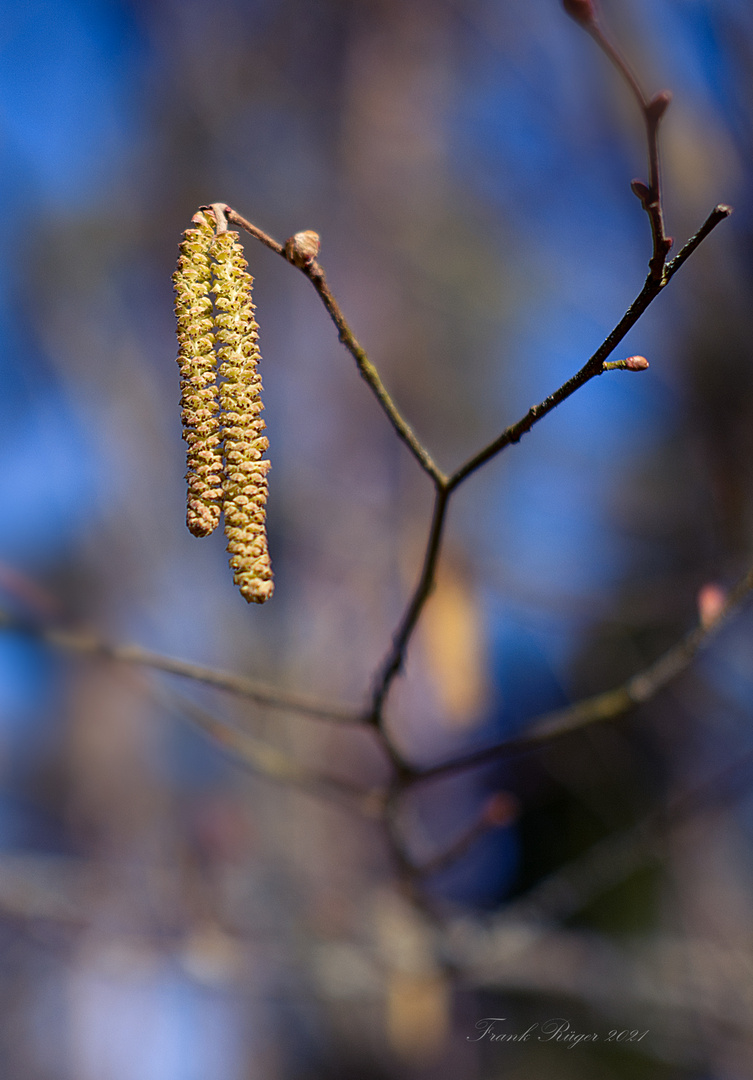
point(595, 365)
point(316, 276)
point(252, 689)
point(652, 111)
point(646, 684)
point(301, 252)
point(262, 693)
point(719, 213)
point(421, 593)
point(614, 703)
point(236, 219)
point(313, 271)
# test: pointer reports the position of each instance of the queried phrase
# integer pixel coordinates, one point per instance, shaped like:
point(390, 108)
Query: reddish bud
point(583, 11)
point(633, 363)
point(640, 190)
point(711, 601)
point(500, 809)
point(658, 105)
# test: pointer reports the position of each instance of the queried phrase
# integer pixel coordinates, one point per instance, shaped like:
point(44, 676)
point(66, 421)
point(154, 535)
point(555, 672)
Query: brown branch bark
point(396, 655)
point(595, 365)
point(313, 271)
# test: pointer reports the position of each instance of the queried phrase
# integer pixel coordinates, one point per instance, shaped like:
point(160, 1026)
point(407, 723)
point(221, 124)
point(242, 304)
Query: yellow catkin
point(244, 473)
point(198, 377)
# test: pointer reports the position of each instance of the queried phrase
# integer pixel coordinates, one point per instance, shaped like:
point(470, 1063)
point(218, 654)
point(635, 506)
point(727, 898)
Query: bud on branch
point(633, 363)
point(658, 105)
point(302, 248)
point(583, 11)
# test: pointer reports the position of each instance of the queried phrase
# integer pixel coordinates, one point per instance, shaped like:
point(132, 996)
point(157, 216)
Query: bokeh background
point(166, 914)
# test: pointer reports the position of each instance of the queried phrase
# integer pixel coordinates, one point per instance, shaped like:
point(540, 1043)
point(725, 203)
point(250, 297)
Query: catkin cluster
point(218, 353)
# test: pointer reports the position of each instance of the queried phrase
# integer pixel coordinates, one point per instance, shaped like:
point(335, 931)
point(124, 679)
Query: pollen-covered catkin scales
point(198, 378)
point(244, 473)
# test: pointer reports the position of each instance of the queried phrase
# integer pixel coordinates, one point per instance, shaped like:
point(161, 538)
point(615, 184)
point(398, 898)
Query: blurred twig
point(652, 110)
point(612, 860)
point(609, 705)
point(614, 703)
point(240, 685)
point(272, 763)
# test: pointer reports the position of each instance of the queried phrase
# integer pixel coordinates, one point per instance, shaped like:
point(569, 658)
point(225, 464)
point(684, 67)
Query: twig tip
point(658, 105)
point(712, 599)
point(632, 363)
point(582, 11)
point(502, 808)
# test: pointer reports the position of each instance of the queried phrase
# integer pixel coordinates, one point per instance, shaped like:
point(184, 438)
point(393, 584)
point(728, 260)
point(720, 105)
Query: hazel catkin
point(198, 379)
point(244, 474)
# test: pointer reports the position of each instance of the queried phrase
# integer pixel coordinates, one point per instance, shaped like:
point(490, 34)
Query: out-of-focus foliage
point(164, 914)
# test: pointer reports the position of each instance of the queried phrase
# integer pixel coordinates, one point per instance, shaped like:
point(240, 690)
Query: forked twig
point(596, 364)
point(652, 109)
point(315, 274)
point(444, 486)
point(302, 252)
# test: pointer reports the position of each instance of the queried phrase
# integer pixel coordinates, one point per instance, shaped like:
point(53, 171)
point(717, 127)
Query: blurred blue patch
point(525, 682)
point(48, 482)
point(65, 111)
point(26, 700)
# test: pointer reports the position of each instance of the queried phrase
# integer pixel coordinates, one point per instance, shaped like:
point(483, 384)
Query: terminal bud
point(583, 11)
point(501, 809)
point(658, 105)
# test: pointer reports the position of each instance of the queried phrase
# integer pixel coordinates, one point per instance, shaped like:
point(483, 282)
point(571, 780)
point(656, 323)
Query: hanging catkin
point(244, 473)
point(198, 379)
